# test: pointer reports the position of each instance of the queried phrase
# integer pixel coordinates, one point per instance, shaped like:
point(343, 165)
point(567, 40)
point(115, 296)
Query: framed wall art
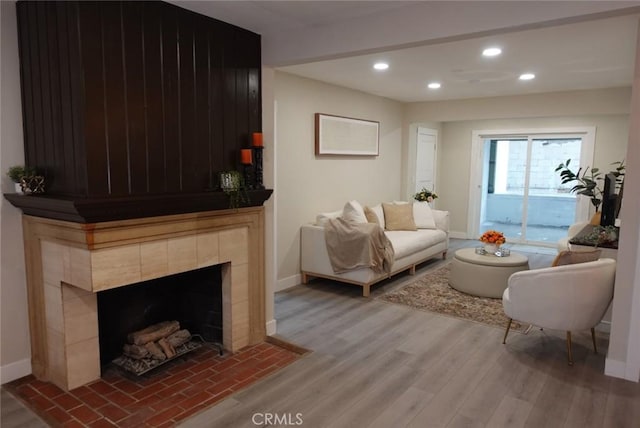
point(337, 135)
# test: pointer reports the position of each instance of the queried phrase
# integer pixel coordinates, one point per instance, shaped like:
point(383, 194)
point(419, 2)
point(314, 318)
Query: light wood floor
point(376, 364)
point(15, 414)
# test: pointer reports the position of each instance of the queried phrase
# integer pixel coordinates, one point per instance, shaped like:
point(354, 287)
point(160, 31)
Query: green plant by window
point(588, 180)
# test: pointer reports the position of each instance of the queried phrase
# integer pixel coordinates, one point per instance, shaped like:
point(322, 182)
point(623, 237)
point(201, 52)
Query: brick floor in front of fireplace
point(162, 398)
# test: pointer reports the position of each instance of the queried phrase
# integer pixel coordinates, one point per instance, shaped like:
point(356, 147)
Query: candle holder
point(247, 176)
point(257, 167)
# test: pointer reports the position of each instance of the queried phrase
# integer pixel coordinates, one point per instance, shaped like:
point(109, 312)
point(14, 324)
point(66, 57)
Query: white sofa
point(410, 247)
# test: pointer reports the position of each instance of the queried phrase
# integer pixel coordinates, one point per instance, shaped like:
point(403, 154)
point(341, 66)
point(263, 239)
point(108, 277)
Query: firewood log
point(155, 351)
point(153, 332)
point(135, 351)
point(179, 337)
point(166, 347)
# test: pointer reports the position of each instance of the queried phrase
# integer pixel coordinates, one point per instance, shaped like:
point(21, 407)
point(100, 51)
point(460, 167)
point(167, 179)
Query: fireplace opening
point(192, 298)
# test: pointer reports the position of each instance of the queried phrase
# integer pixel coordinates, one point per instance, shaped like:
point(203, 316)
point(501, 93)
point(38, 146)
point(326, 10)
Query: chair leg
point(504, 339)
point(593, 337)
point(570, 357)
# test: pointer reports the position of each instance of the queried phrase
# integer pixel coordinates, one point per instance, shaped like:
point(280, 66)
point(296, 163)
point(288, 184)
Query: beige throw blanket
point(355, 245)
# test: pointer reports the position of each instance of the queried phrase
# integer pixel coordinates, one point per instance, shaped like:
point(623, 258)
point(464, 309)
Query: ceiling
point(596, 53)
point(269, 17)
point(586, 55)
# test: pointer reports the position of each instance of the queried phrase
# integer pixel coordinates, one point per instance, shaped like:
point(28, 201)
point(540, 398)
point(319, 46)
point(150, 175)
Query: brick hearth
point(164, 397)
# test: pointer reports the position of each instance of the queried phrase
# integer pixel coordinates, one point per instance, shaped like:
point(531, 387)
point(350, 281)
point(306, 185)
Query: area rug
point(432, 292)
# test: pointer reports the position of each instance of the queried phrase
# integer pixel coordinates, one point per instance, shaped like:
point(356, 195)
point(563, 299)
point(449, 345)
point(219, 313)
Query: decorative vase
point(18, 188)
point(491, 248)
point(595, 220)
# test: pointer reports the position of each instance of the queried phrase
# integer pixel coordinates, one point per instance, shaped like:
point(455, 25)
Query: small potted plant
point(16, 173)
point(232, 184)
point(425, 195)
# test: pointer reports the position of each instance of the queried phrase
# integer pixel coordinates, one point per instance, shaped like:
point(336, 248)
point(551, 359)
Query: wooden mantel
point(94, 210)
point(68, 263)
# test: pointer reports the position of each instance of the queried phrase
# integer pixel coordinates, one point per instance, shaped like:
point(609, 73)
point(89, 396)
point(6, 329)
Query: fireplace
point(71, 264)
point(139, 124)
point(192, 298)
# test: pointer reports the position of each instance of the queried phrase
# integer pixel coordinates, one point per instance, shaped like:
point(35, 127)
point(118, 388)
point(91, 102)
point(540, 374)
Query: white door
point(426, 159)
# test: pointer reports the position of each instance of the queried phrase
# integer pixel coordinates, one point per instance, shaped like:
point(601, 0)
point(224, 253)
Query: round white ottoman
point(484, 275)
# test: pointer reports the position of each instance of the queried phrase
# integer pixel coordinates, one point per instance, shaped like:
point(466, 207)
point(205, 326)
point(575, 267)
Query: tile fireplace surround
point(68, 263)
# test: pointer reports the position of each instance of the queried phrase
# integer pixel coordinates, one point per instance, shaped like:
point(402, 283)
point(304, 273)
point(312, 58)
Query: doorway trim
point(588, 134)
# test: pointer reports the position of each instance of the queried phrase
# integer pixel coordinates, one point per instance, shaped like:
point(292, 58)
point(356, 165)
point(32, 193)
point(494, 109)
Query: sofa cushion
point(353, 212)
point(573, 257)
point(398, 217)
point(322, 218)
point(423, 216)
point(406, 243)
point(371, 215)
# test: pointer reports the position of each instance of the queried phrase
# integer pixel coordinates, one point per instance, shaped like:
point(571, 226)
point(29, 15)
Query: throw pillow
point(398, 217)
point(573, 257)
point(371, 215)
point(423, 216)
point(353, 212)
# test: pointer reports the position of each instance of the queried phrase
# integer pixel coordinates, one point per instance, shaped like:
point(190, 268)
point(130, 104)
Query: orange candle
point(245, 157)
point(257, 139)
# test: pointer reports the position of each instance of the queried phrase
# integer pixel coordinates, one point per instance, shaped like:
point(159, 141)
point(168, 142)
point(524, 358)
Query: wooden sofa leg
point(412, 270)
point(305, 278)
point(444, 255)
point(365, 290)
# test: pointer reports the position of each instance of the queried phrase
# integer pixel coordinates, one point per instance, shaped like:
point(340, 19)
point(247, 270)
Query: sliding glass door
point(521, 193)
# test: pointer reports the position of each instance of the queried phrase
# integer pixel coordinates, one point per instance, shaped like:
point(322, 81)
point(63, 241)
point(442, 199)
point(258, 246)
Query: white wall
point(15, 351)
point(554, 104)
point(307, 184)
point(623, 359)
point(607, 110)
point(269, 167)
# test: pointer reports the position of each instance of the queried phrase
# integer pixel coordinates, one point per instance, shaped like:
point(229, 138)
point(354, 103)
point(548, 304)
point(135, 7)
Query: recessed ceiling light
point(492, 52)
point(434, 85)
point(527, 76)
point(380, 65)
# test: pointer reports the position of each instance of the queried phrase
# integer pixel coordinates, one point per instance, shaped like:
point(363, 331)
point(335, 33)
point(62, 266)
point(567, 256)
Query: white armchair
point(570, 297)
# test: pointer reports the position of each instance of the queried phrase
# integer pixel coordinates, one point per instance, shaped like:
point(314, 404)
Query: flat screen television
point(610, 204)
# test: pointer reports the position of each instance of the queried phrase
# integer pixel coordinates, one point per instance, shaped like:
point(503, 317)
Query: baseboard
point(604, 327)
point(271, 327)
point(458, 235)
point(289, 282)
point(15, 370)
point(615, 368)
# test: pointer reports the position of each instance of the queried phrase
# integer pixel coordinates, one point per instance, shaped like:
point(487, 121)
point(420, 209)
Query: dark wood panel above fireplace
point(134, 99)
